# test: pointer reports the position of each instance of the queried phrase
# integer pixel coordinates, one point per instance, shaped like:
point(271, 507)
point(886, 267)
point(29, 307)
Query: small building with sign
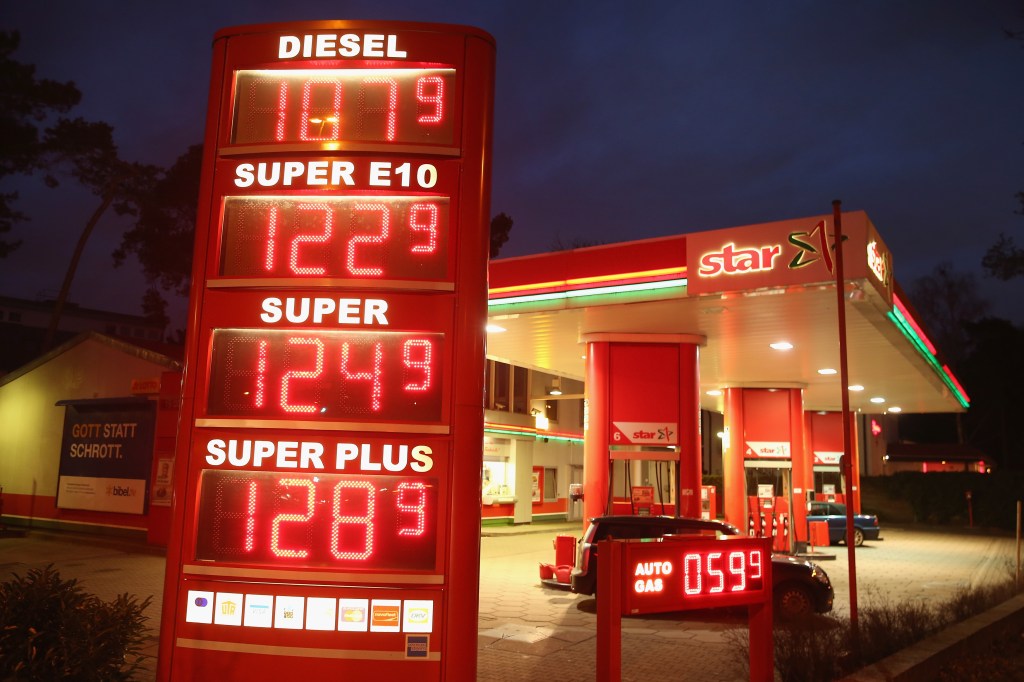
point(77, 431)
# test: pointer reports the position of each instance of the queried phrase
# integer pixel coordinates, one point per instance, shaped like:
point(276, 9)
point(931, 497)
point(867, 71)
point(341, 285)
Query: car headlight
point(820, 575)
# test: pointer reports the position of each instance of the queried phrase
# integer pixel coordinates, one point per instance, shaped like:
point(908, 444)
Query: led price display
point(323, 106)
point(329, 375)
point(693, 573)
point(704, 573)
point(336, 237)
point(328, 520)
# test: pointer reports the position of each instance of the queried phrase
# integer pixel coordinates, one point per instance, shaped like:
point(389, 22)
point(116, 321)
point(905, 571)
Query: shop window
point(520, 390)
point(14, 317)
point(498, 480)
point(502, 382)
point(550, 484)
point(487, 384)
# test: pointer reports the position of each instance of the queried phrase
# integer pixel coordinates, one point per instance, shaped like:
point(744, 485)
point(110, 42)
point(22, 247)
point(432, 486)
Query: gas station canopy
point(743, 290)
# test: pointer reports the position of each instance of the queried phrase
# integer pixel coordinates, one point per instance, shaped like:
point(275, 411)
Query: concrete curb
point(924, 660)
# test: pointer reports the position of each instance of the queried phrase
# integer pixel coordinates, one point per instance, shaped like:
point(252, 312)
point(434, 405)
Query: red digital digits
point(363, 521)
point(275, 525)
point(717, 572)
point(267, 517)
point(384, 106)
point(388, 106)
point(339, 237)
point(325, 374)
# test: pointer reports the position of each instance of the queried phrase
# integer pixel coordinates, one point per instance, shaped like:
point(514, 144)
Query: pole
point(609, 612)
point(844, 380)
point(1017, 574)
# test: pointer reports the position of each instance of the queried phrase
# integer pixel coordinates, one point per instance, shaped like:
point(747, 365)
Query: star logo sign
point(811, 247)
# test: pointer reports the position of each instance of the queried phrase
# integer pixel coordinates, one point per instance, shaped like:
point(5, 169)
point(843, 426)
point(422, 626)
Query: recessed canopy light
point(878, 399)
point(895, 408)
point(781, 345)
point(855, 387)
point(827, 371)
point(714, 391)
point(494, 328)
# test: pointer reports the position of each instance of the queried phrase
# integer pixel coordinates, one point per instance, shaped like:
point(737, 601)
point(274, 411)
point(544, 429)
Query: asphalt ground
point(532, 631)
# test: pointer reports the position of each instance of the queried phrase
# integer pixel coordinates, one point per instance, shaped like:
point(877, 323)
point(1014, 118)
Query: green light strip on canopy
point(581, 293)
point(907, 330)
point(534, 434)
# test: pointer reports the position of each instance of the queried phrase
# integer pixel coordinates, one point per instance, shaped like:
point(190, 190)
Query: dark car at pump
point(799, 587)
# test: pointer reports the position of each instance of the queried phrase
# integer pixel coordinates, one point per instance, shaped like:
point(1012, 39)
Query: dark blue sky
point(614, 121)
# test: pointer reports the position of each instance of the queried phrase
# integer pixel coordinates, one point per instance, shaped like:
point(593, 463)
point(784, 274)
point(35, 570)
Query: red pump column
point(642, 391)
point(825, 438)
point(595, 433)
point(765, 427)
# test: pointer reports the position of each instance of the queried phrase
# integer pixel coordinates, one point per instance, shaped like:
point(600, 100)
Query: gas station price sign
point(326, 517)
point(685, 573)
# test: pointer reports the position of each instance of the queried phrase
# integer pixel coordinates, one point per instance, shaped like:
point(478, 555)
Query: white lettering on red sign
point(320, 310)
point(653, 568)
point(333, 174)
point(285, 173)
point(309, 455)
point(650, 585)
point(878, 262)
point(329, 45)
point(731, 260)
point(417, 458)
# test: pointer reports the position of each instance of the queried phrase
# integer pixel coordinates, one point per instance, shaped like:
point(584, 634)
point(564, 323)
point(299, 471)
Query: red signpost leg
point(609, 613)
point(760, 624)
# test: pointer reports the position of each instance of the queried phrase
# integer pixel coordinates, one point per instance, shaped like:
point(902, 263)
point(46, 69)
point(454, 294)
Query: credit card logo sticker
point(385, 615)
point(352, 615)
point(288, 613)
point(417, 646)
point(199, 607)
point(227, 610)
point(320, 613)
point(418, 615)
point(259, 610)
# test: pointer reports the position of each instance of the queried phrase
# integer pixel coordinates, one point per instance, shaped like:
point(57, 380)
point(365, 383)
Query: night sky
point(614, 121)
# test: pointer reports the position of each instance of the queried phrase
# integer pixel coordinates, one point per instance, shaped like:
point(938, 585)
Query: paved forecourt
point(529, 631)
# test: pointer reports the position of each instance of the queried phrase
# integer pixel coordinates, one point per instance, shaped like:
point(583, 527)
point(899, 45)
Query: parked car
point(865, 526)
point(799, 587)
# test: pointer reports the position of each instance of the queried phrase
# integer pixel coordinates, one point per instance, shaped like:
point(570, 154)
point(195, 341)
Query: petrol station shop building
point(620, 376)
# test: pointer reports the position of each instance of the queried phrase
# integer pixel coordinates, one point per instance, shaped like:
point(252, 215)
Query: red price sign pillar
point(326, 515)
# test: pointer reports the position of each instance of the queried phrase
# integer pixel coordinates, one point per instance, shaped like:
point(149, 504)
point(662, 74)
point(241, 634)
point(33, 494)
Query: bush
point(821, 649)
point(53, 630)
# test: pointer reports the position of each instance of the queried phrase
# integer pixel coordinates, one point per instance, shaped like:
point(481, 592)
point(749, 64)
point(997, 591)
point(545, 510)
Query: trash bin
point(565, 550)
point(819, 533)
